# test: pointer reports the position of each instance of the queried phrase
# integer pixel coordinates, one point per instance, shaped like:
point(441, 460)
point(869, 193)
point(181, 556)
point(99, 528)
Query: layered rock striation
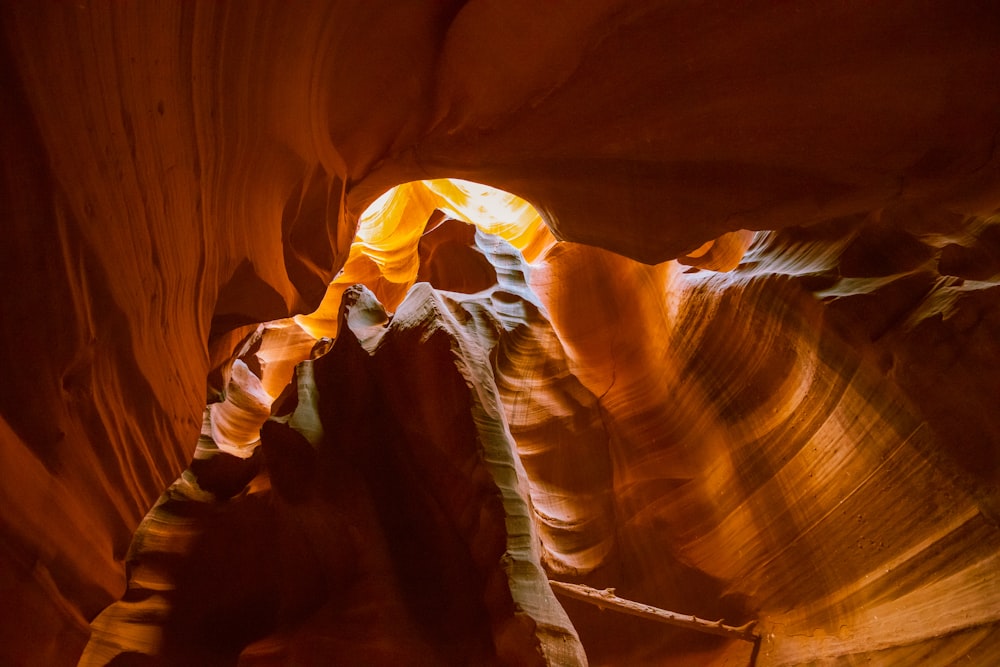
point(796, 425)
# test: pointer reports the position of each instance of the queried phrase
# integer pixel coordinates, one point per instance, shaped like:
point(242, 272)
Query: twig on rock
point(607, 599)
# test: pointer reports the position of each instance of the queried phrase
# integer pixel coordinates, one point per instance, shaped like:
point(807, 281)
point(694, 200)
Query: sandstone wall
point(175, 173)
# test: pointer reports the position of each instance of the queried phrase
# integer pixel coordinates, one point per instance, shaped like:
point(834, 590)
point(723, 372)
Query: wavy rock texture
point(417, 538)
point(762, 461)
point(403, 530)
point(175, 174)
point(800, 490)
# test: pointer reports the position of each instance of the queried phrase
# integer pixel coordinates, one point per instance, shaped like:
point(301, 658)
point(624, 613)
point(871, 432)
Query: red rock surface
point(798, 426)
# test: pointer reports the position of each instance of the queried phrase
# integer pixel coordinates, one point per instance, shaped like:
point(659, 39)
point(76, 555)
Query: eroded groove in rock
point(783, 461)
point(428, 521)
point(913, 318)
point(554, 419)
point(428, 359)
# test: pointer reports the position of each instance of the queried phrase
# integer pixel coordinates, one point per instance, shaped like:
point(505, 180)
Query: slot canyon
point(363, 332)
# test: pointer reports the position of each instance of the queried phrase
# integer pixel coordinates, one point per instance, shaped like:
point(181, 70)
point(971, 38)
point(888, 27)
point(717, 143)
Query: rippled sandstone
point(809, 439)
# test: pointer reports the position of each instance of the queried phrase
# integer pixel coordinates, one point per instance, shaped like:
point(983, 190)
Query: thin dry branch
point(607, 599)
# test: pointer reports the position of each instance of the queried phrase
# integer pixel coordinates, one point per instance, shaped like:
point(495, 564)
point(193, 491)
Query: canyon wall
point(804, 434)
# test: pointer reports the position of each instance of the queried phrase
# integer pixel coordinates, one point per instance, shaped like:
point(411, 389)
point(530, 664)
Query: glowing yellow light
point(377, 210)
point(492, 210)
point(384, 252)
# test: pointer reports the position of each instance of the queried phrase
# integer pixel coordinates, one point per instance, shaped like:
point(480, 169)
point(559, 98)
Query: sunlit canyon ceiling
point(332, 332)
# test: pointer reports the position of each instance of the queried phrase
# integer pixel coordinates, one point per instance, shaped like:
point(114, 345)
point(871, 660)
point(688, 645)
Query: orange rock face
point(794, 423)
